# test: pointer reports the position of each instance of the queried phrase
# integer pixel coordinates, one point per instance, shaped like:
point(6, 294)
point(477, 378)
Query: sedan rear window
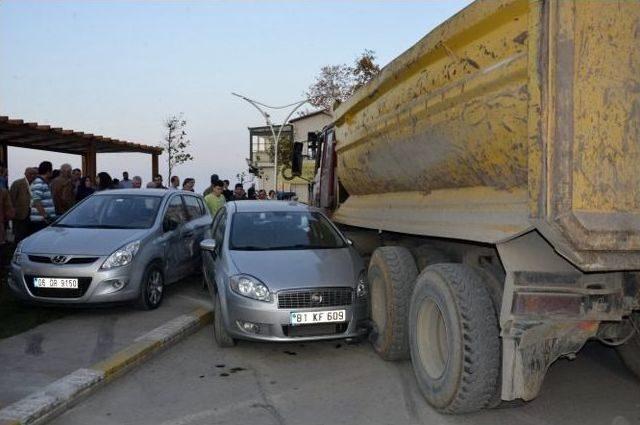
point(113, 212)
point(283, 230)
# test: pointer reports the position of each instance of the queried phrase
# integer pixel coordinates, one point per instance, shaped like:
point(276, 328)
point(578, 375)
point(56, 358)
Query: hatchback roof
point(258, 206)
point(144, 192)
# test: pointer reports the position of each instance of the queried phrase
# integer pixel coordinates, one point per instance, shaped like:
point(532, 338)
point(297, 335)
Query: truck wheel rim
point(433, 344)
point(378, 303)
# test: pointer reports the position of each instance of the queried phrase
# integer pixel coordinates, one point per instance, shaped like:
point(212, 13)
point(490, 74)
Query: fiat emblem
point(316, 298)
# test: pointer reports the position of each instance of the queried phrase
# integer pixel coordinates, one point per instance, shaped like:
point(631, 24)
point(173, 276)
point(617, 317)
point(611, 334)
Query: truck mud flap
point(549, 310)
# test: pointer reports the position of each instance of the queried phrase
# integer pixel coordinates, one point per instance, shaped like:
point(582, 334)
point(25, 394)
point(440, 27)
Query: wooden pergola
point(31, 135)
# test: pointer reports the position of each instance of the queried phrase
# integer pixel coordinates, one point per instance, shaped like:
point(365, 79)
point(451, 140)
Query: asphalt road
point(197, 383)
point(83, 336)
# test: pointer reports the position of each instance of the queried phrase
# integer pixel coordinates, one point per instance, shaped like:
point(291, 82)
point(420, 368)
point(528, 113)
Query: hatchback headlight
point(17, 255)
point(122, 256)
point(362, 287)
point(250, 287)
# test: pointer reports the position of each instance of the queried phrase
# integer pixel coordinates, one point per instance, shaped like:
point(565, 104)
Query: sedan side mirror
point(208, 245)
point(349, 242)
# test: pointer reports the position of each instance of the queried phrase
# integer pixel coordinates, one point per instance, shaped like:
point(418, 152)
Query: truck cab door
point(327, 183)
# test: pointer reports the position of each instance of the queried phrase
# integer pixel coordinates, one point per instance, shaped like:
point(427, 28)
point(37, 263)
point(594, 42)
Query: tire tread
point(399, 269)
point(480, 337)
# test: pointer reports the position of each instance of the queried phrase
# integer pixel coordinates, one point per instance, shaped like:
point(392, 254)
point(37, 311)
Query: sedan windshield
point(282, 230)
point(113, 212)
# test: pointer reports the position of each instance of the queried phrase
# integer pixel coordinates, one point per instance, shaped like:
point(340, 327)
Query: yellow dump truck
point(493, 172)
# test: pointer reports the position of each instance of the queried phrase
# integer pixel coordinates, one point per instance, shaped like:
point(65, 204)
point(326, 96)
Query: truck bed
point(510, 116)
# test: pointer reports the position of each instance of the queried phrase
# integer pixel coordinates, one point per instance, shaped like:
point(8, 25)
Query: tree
point(337, 83)
point(241, 177)
point(176, 142)
point(285, 149)
point(365, 69)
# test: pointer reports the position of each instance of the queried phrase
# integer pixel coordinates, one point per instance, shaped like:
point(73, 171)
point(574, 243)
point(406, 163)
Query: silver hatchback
point(117, 245)
point(281, 271)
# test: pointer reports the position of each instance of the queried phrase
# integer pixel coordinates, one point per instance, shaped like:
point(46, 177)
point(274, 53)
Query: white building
point(261, 153)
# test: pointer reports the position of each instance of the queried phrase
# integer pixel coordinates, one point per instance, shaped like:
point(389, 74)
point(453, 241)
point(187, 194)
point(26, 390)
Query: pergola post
point(154, 165)
point(4, 155)
point(89, 161)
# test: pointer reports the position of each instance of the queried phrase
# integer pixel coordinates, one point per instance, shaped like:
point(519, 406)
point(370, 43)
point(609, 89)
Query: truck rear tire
point(630, 351)
point(392, 274)
point(427, 255)
point(495, 286)
point(454, 339)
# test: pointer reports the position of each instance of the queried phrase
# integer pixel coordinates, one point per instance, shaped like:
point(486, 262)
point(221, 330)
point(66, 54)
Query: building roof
point(311, 114)
point(31, 135)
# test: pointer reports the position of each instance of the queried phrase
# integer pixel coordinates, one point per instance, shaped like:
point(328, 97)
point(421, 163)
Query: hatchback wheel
point(152, 288)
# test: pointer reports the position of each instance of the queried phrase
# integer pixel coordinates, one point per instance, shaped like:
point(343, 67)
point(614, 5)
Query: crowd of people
point(218, 193)
point(34, 201)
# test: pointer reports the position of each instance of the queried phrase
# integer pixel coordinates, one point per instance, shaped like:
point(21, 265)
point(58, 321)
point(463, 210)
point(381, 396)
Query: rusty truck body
point(495, 164)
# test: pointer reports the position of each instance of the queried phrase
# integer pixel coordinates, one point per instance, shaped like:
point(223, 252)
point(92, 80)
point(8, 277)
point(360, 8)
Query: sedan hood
point(300, 268)
point(71, 241)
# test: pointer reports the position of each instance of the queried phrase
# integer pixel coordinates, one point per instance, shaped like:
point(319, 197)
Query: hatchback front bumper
point(95, 284)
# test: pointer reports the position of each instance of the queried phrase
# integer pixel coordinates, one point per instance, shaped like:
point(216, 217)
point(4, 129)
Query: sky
point(120, 68)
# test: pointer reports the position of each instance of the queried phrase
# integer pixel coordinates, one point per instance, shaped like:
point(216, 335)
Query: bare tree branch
point(176, 142)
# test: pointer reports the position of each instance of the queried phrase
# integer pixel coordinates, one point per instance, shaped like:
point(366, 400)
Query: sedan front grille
point(312, 298)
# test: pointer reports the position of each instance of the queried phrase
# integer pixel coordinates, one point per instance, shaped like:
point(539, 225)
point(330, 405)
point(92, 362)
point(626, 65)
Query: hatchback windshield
point(113, 212)
point(283, 230)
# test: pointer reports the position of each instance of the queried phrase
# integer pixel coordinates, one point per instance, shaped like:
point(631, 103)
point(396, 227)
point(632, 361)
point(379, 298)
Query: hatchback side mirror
point(208, 245)
point(170, 224)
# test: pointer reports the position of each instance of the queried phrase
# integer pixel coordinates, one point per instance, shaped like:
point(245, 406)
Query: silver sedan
point(281, 271)
point(117, 245)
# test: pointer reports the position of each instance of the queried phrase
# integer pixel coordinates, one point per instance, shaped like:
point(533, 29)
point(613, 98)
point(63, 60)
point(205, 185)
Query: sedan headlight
point(250, 287)
point(362, 287)
point(17, 255)
point(122, 256)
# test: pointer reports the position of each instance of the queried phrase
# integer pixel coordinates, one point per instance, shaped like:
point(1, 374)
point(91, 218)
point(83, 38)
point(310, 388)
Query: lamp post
point(276, 136)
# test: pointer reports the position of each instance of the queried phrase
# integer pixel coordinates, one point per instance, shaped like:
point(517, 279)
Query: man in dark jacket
point(239, 193)
point(62, 190)
point(228, 194)
point(21, 201)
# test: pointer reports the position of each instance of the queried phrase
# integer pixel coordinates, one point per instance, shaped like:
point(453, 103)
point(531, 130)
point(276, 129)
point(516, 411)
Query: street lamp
point(259, 106)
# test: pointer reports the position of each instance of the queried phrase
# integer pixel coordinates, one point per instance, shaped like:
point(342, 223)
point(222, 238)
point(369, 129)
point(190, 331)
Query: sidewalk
point(36, 358)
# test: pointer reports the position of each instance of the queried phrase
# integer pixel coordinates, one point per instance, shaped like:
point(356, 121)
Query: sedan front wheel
point(220, 334)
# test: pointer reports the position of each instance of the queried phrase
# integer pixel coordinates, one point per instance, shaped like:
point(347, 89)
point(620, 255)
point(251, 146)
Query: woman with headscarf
point(85, 188)
point(104, 181)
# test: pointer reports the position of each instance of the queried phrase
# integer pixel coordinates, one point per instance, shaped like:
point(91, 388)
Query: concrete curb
point(58, 396)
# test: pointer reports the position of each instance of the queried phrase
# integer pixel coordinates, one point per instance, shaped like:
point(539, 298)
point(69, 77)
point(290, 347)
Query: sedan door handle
point(188, 234)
